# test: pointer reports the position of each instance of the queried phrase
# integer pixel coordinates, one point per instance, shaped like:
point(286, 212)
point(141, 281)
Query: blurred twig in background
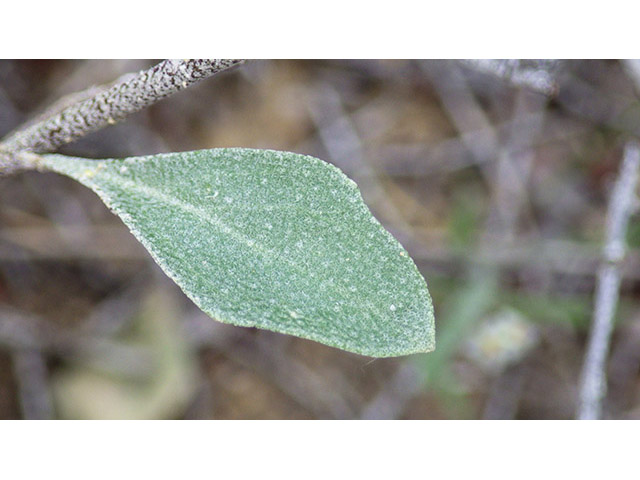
point(621, 205)
point(497, 188)
point(538, 75)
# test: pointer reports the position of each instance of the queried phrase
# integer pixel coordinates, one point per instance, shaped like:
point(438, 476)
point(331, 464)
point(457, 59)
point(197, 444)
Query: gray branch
point(537, 75)
point(33, 385)
point(108, 106)
point(593, 381)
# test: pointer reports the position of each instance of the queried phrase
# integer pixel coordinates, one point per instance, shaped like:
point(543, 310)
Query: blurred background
point(495, 178)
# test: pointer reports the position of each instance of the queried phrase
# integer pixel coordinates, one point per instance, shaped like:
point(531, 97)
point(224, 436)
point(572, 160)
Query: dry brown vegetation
point(498, 192)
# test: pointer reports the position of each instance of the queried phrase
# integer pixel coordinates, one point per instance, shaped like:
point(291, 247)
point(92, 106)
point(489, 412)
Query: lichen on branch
point(130, 94)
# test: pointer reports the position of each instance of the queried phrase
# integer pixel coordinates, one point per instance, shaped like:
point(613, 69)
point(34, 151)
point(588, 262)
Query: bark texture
point(129, 95)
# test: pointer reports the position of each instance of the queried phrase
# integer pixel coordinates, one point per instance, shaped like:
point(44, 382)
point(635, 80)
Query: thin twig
point(33, 384)
point(474, 127)
point(593, 382)
point(308, 387)
point(131, 94)
point(340, 138)
point(392, 399)
point(537, 75)
point(632, 67)
point(505, 393)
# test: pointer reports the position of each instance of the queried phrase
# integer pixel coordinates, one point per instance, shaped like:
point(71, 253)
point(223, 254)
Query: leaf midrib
point(199, 212)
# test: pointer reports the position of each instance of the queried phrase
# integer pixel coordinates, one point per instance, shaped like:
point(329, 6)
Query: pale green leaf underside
point(268, 239)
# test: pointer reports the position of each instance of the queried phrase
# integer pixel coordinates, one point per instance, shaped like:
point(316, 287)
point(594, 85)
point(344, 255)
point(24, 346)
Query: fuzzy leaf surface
point(267, 239)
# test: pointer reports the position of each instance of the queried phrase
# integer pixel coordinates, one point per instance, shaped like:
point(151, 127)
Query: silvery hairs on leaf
point(269, 239)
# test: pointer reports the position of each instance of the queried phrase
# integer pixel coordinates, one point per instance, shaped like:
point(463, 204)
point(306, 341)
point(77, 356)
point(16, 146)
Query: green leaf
point(268, 239)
